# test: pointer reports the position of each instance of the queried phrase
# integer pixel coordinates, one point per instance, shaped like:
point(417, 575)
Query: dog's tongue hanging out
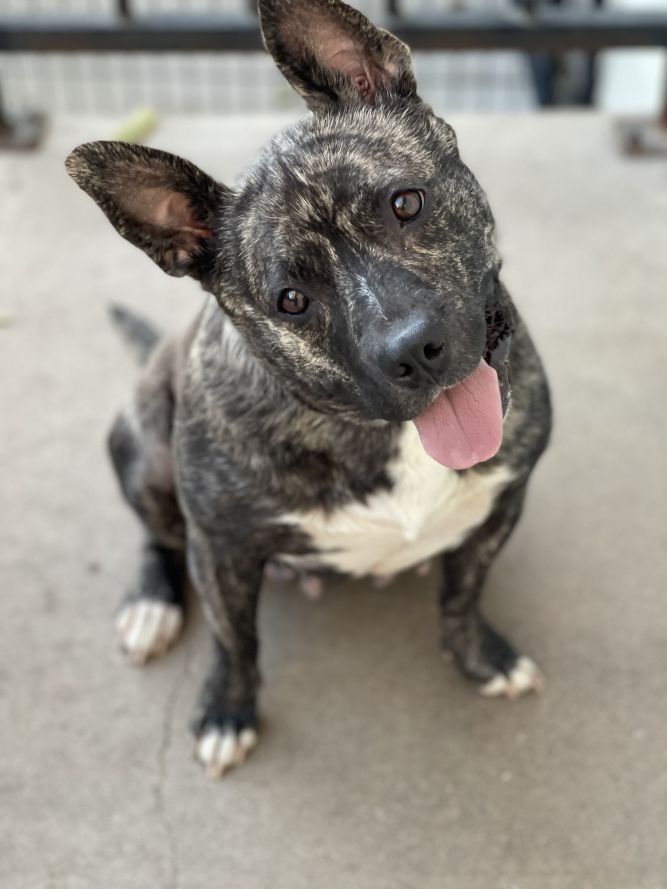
point(464, 425)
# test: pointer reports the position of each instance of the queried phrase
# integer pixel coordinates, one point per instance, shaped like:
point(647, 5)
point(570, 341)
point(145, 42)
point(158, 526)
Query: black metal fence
point(107, 55)
point(527, 25)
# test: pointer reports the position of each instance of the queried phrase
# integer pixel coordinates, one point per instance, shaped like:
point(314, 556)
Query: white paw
point(524, 677)
point(147, 628)
point(219, 750)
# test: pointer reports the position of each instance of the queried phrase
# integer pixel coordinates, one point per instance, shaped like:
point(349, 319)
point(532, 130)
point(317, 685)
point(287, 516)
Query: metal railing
point(542, 29)
point(536, 28)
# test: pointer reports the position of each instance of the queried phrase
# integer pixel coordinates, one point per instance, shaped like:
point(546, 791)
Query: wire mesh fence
point(87, 83)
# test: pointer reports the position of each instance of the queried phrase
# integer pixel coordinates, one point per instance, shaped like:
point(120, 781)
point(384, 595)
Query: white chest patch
point(430, 509)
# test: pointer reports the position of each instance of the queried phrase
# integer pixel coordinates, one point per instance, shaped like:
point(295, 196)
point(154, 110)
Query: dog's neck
point(247, 405)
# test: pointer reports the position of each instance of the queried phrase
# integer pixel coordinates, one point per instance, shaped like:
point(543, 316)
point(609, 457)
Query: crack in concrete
point(173, 876)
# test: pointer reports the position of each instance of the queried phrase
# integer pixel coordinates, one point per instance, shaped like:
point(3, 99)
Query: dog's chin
point(365, 409)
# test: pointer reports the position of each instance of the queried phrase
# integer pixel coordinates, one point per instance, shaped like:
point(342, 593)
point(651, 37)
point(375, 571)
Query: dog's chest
point(428, 510)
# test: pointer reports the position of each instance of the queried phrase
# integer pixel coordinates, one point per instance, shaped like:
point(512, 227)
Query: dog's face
point(363, 260)
point(357, 257)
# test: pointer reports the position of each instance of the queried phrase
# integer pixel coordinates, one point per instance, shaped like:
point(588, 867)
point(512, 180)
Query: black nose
point(413, 352)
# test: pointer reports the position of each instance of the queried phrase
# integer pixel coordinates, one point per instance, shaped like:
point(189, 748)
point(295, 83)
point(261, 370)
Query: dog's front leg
point(228, 578)
point(479, 651)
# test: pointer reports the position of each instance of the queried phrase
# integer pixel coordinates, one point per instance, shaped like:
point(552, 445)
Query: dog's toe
point(312, 587)
point(424, 568)
point(380, 581)
point(220, 749)
point(524, 676)
point(147, 628)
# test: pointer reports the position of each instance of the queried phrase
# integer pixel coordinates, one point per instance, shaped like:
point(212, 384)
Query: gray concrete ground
point(379, 768)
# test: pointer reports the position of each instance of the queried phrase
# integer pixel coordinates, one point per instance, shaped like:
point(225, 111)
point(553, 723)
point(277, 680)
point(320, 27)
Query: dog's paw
point(147, 628)
point(523, 677)
point(219, 749)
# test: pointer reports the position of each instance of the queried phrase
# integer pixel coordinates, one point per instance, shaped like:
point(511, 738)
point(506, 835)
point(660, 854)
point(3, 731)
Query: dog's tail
point(138, 332)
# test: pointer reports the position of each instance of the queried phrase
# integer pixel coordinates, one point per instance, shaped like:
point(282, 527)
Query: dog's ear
point(330, 52)
point(160, 203)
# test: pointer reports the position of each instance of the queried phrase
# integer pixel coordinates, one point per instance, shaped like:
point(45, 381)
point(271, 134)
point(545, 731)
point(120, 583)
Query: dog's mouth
point(463, 425)
point(499, 330)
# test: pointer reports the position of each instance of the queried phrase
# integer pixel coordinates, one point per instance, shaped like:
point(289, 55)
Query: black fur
point(255, 413)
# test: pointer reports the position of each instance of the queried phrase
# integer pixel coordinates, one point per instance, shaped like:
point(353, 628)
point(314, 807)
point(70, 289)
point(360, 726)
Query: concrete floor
point(379, 768)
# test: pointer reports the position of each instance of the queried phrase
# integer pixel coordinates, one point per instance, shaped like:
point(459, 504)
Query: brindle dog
point(355, 288)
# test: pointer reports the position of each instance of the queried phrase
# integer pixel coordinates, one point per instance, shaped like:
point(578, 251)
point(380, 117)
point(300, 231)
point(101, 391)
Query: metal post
point(549, 30)
point(647, 138)
point(20, 132)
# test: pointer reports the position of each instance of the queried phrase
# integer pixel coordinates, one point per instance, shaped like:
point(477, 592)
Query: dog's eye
point(292, 302)
point(407, 205)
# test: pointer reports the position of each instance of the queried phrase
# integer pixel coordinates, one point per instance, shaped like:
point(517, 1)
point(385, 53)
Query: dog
point(358, 393)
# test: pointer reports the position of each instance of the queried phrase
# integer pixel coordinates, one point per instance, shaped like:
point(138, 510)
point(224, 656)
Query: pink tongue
point(464, 425)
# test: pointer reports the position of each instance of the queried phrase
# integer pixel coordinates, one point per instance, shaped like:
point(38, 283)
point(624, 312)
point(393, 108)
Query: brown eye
point(407, 205)
point(292, 302)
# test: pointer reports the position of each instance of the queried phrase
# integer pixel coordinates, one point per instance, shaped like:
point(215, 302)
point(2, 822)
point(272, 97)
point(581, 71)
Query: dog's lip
point(499, 327)
point(499, 331)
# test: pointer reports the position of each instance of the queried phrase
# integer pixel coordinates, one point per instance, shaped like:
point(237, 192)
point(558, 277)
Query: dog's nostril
point(413, 352)
point(432, 351)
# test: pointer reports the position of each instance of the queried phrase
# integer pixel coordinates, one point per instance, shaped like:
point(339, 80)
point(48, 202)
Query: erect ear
point(330, 52)
point(160, 203)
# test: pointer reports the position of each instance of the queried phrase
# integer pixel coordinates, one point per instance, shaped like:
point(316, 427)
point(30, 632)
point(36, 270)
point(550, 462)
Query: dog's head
point(357, 257)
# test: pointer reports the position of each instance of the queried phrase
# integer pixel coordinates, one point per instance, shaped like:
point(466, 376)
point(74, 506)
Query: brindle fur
point(253, 414)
